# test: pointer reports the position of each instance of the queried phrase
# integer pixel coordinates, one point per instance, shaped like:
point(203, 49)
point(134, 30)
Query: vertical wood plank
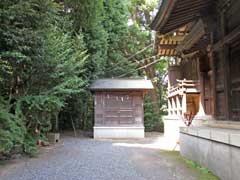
point(202, 90)
point(213, 77)
point(225, 59)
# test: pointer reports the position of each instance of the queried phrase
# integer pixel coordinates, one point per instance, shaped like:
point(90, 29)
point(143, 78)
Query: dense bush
point(152, 120)
point(41, 67)
point(12, 129)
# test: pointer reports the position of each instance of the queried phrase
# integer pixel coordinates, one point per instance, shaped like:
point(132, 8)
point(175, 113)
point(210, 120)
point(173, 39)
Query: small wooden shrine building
point(119, 107)
point(201, 39)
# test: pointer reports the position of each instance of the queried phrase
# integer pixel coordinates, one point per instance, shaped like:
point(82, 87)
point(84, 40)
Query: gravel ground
point(88, 159)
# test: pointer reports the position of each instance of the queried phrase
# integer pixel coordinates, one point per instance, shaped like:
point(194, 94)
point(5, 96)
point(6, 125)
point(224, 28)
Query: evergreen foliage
point(12, 129)
point(152, 121)
point(50, 51)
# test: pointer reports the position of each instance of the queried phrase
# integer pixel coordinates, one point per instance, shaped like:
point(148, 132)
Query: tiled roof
point(121, 84)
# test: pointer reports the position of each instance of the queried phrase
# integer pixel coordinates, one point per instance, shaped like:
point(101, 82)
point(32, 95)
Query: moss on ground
point(2, 164)
point(204, 173)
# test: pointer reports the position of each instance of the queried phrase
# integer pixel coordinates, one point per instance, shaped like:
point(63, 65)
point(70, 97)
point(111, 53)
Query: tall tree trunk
point(150, 72)
point(56, 123)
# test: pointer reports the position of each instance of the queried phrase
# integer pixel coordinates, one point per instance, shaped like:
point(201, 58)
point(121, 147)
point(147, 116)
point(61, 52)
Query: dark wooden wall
point(235, 82)
point(217, 66)
point(119, 108)
point(227, 63)
point(233, 15)
point(206, 75)
point(189, 70)
point(174, 73)
point(220, 88)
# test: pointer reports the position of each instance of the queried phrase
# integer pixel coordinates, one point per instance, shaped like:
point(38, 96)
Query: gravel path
point(88, 159)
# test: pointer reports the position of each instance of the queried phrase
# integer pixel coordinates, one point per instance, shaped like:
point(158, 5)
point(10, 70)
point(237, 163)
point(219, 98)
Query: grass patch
point(175, 155)
point(2, 164)
point(204, 173)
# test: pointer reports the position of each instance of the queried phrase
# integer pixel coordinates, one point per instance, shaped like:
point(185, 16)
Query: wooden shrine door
point(208, 93)
point(118, 109)
point(206, 86)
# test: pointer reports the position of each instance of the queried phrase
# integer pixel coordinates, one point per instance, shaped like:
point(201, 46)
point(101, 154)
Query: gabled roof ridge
point(121, 84)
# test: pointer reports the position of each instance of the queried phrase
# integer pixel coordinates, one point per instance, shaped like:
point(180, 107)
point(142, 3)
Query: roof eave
point(162, 15)
point(120, 89)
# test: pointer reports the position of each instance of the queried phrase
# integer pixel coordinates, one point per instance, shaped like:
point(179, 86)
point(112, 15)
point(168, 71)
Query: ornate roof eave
point(162, 15)
point(196, 33)
point(174, 14)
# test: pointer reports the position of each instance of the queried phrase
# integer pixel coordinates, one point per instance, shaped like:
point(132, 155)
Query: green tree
point(87, 18)
point(21, 40)
point(116, 25)
point(42, 67)
point(50, 51)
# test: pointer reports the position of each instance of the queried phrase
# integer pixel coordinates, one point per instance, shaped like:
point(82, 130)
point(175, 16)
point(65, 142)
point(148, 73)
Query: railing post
point(178, 105)
point(173, 105)
point(184, 103)
point(169, 106)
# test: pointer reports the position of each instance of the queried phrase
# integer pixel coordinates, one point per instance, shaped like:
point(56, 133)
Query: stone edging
point(226, 136)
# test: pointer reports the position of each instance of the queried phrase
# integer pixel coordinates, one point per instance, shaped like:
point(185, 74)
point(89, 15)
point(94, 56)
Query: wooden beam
point(190, 55)
point(229, 38)
point(197, 32)
point(176, 38)
point(167, 46)
point(200, 46)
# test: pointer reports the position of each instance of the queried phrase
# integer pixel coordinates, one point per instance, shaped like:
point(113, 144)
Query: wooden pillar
point(213, 77)
point(227, 81)
point(201, 111)
point(224, 58)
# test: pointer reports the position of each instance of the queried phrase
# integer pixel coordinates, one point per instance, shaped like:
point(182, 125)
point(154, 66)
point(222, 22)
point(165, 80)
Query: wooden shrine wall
point(233, 22)
point(206, 74)
point(235, 82)
point(189, 70)
point(119, 109)
point(220, 88)
point(174, 73)
point(233, 15)
point(227, 64)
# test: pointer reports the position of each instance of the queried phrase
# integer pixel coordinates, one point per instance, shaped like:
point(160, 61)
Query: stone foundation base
point(118, 132)
point(172, 126)
point(53, 137)
point(216, 149)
